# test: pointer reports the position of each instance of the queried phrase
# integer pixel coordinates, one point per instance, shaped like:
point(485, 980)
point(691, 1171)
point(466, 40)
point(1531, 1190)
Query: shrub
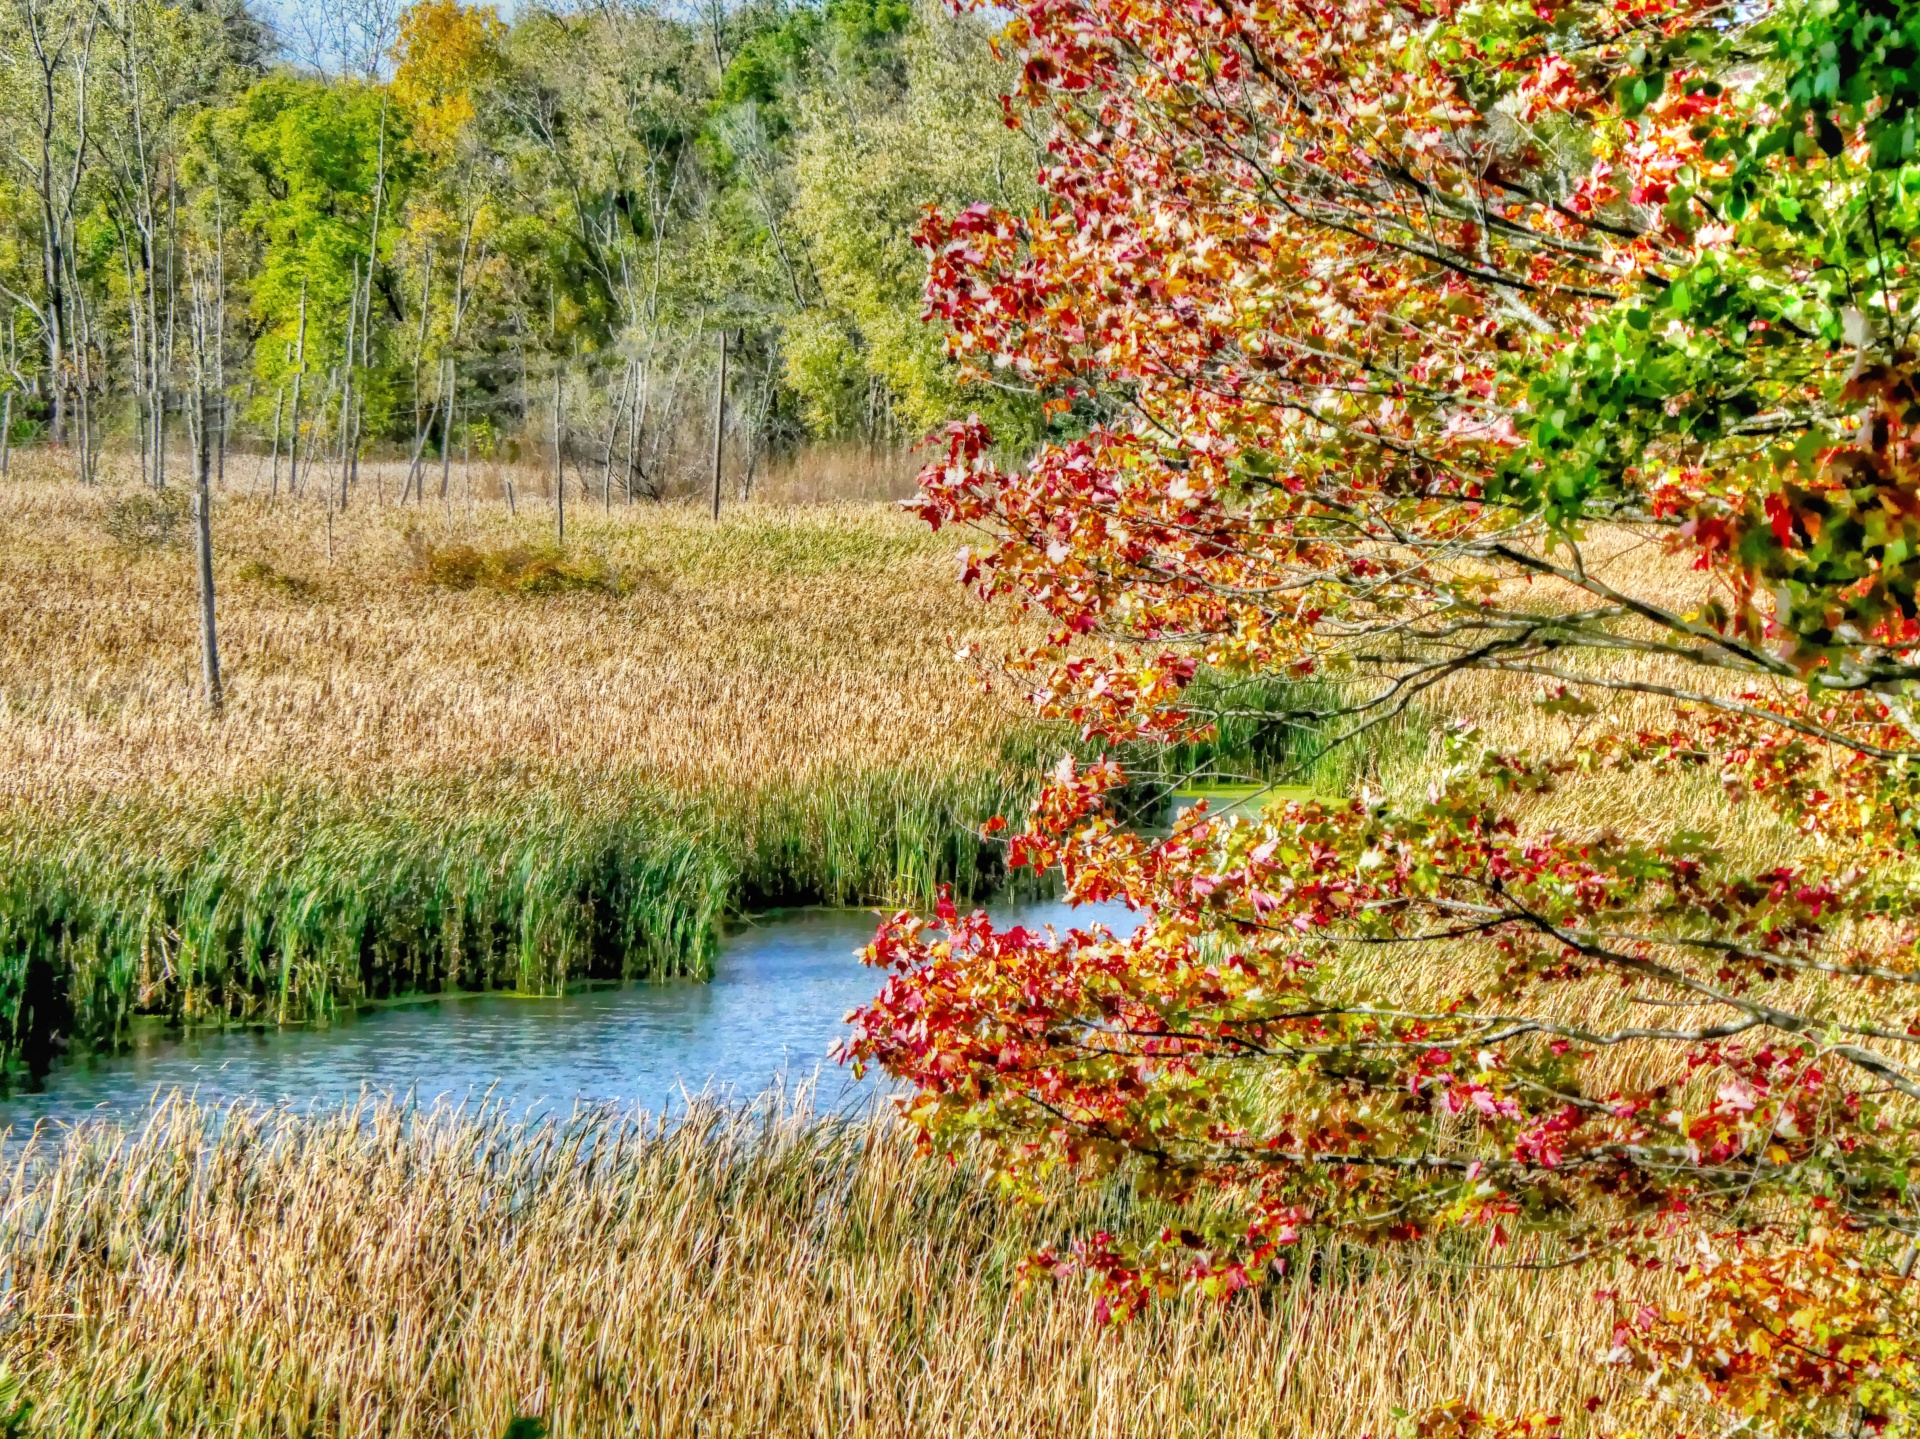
point(260, 572)
point(515, 570)
point(149, 520)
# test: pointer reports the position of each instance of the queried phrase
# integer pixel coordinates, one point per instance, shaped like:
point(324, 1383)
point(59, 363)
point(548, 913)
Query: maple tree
point(1368, 332)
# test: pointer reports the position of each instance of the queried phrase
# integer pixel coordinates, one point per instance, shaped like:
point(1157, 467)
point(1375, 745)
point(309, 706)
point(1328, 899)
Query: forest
point(605, 239)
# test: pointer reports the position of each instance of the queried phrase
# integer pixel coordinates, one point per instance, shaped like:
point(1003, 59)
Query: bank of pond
point(302, 904)
point(517, 899)
point(781, 987)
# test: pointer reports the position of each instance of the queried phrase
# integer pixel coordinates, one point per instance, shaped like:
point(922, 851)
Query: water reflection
point(775, 1006)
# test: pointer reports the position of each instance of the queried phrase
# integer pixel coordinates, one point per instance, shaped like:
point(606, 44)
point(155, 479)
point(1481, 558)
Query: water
point(781, 989)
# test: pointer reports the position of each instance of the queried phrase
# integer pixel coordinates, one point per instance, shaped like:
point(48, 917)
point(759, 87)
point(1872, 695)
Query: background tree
point(590, 197)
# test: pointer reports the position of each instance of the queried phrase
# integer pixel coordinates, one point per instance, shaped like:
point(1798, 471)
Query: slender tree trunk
point(420, 340)
point(160, 442)
point(53, 263)
point(203, 542)
point(719, 421)
point(220, 327)
point(6, 433)
point(145, 328)
point(559, 464)
point(616, 414)
point(526, 388)
point(84, 406)
point(356, 413)
point(319, 457)
point(172, 329)
point(446, 430)
point(637, 437)
point(299, 369)
point(422, 424)
point(346, 388)
point(357, 419)
point(373, 238)
point(307, 458)
point(279, 399)
point(633, 426)
point(416, 471)
point(135, 342)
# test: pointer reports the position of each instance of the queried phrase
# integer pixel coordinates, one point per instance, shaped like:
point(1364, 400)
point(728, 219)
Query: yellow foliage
point(444, 49)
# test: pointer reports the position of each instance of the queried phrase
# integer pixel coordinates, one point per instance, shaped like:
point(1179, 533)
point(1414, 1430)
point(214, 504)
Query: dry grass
point(358, 1273)
point(778, 643)
point(367, 1272)
point(823, 474)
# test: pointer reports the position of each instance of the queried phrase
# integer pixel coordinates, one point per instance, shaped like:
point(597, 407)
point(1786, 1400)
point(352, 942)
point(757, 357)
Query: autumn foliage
point(1365, 328)
point(444, 50)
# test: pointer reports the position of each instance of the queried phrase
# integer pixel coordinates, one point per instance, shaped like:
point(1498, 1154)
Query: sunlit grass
point(774, 644)
point(376, 1271)
point(453, 754)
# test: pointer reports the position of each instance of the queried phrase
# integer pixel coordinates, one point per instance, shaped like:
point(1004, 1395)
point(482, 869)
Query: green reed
point(292, 903)
point(295, 901)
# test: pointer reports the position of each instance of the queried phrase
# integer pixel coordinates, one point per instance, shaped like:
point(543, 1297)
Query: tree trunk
point(416, 471)
point(220, 330)
point(615, 413)
point(53, 261)
point(203, 542)
point(446, 430)
point(346, 388)
point(633, 427)
point(299, 369)
point(719, 421)
point(559, 464)
point(279, 399)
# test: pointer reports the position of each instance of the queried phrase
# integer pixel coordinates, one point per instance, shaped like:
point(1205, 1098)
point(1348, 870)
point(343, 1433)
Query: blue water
point(777, 1003)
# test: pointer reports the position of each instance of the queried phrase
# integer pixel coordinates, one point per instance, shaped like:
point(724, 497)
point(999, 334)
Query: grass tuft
point(146, 520)
point(514, 570)
point(263, 574)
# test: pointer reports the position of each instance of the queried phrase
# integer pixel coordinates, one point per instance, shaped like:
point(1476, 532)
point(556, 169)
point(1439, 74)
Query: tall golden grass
point(780, 642)
point(376, 1271)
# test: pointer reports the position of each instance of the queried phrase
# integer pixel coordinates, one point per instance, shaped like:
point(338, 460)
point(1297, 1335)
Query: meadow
point(453, 754)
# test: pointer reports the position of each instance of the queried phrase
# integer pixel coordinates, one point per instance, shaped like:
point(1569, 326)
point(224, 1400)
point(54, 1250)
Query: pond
point(781, 989)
